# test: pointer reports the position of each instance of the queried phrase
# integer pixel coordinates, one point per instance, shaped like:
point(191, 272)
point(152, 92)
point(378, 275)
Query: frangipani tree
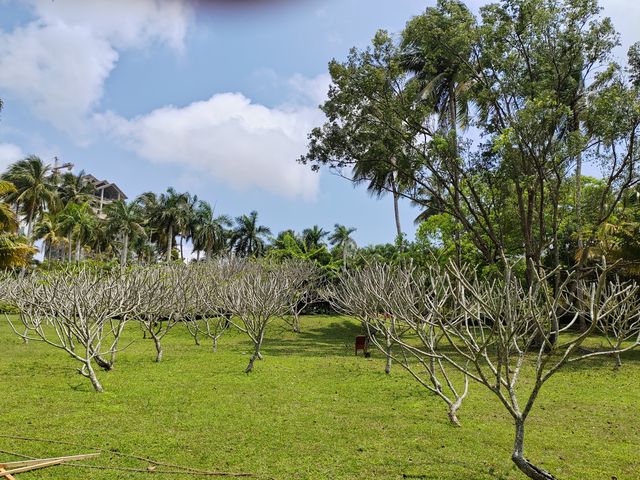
point(495, 332)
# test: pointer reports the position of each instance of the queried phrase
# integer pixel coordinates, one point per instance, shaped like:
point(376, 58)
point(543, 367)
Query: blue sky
point(154, 93)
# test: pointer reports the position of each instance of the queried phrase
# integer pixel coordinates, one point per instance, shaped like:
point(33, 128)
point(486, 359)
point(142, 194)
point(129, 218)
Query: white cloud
point(9, 153)
point(58, 63)
point(124, 23)
point(235, 141)
point(314, 89)
point(58, 70)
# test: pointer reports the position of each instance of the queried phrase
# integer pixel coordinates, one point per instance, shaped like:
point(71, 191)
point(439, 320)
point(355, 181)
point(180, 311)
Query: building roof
point(105, 185)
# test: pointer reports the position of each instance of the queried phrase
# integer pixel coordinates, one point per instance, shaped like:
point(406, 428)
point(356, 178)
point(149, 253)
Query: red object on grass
point(362, 343)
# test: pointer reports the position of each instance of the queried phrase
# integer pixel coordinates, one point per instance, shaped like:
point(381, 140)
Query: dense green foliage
point(489, 124)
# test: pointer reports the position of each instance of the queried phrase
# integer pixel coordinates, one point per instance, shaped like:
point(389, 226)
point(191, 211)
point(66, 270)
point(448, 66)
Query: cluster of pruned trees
point(447, 326)
point(84, 311)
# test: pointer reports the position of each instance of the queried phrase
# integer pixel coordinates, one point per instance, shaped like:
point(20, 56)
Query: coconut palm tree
point(15, 250)
point(164, 212)
point(78, 222)
point(444, 74)
point(8, 219)
point(380, 181)
point(48, 230)
point(188, 212)
point(341, 238)
point(247, 238)
point(209, 232)
point(75, 189)
point(312, 237)
point(126, 222)
point(35, 189)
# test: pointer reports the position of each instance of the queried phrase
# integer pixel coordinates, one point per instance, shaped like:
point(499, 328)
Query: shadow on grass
point(333, 336)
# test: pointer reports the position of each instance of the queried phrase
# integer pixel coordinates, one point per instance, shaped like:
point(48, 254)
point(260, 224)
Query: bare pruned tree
point(616, 315)
point(207, 313)
point(306, 279)
point(163, 301)
point(492, 331)
point(257, 293)
point(81, 312)
point(399, 306)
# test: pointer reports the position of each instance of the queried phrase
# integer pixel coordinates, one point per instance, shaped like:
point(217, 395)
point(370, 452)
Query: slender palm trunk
point(78, 245)
point(396, 204)
point(70, 239)
point(344, 257)
point(169, 243)
point(454, 165)
point(580, 241)
point(125, 252)
point(181, 250)
point(18, 218)
point(30, 226)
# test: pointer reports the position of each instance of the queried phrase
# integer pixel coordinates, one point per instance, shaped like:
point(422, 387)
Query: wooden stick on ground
point(4, 474)
point(24, 463)
point(28, 468)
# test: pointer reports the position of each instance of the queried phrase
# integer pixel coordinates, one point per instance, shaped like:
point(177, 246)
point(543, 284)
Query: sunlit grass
point(310, 410)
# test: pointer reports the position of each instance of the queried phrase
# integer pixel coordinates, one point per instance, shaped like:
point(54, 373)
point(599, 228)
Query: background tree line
point(62, 211)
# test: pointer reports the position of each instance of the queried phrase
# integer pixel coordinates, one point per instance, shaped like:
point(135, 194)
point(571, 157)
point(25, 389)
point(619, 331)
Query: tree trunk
point(169, 243)
point(159, 351)
point(91, 375)
point(580, 242)
point(453, 412)
point(78, 250)
point(29, 226)
point(181, 251)
point(453, 119)
point(104, 364)
point(296, 321)
point(256, 356)
point(526, 467)
point(344, 257)
point(387, 368)
point(125, 252)
point(18, 218)
point(618, 360)
point(396, 198)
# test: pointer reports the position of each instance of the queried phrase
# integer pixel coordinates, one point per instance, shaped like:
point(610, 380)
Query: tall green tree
point(166, 213)
point(125, 220)
point(248, 238)
point(341, 238)
point(436, 47)
point(524, 66)
point(75, 189)
point(35, 189)
point(313, 237)
point(209, 231)
point(79, 223)
point(49, 230)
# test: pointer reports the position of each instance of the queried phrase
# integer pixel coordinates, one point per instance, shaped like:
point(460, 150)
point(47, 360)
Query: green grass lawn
point(310, 410)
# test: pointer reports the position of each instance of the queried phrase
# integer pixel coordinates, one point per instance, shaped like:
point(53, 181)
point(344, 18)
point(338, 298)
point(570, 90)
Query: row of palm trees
point(61, 210)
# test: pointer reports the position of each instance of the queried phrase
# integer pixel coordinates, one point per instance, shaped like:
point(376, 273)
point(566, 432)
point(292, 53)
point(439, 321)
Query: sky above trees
point(217, 101)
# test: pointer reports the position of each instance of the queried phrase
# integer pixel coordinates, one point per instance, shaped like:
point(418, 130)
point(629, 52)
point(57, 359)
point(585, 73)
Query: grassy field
point(310, 410)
